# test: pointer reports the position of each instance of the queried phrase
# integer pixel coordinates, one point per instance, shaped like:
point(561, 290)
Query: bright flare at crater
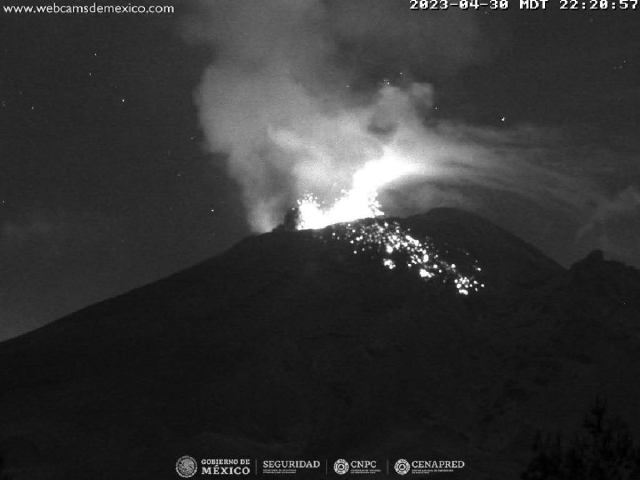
point(353, 205)
point(361, 201)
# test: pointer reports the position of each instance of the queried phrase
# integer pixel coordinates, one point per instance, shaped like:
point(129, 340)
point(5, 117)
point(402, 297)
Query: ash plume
point(296, 98)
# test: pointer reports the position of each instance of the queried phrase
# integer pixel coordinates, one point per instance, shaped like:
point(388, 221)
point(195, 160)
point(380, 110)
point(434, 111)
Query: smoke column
point(296, 99)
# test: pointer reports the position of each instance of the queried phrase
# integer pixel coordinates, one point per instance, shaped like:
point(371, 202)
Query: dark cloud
point(385, 37)
point(614, 226)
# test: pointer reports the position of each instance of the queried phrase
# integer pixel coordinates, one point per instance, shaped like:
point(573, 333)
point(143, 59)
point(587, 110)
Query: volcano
point(289, 346)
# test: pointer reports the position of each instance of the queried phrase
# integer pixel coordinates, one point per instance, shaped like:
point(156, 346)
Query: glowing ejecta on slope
point(395, 246)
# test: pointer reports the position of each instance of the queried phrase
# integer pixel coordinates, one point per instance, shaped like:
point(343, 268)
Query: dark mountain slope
point(289, 346)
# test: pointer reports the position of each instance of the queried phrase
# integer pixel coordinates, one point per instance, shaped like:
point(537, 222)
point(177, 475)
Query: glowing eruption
point(290, 106)
point(393, 244)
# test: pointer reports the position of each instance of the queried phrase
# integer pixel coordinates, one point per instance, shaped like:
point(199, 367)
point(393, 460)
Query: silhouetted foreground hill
point(288, 346)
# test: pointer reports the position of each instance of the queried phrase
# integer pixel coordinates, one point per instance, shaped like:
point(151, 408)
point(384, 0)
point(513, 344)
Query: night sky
point(107, 183)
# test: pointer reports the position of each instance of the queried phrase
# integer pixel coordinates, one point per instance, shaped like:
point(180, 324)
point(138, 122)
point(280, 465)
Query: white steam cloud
point(291, 99)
